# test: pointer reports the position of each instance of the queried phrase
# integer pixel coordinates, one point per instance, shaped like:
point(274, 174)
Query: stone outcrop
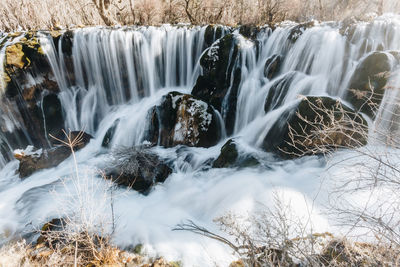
point(182, 119)
point(315, 125)
point(138, 168)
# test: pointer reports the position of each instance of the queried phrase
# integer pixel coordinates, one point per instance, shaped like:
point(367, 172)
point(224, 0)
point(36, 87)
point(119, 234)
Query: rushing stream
point(112, 77)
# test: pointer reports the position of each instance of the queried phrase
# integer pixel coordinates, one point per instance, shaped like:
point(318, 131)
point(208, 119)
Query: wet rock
point(61, 139)
point(368, 82)
point(34, 160)
point(299, 29)
point(249, 31)
point(272, 66)
point(298, 130)
point(53, 116)
point(221, 75)
point(109, 134)
point(182, 119)
point(230, 157)
point(29, 85)
point(278, 91)
point(212, 33)
point(138, 168)
point(20, 57)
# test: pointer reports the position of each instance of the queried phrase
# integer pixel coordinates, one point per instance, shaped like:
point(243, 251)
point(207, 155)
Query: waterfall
point(103, 70)
point(109, 80)
point(115, 66)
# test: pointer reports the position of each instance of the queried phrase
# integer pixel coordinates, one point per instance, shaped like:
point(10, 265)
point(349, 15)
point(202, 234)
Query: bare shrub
point(83, 232)
point(276, 237)
point(326, 129)
point(371, 171)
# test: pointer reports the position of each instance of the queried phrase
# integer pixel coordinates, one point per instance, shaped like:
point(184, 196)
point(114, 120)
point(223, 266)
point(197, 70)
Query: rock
point(212, 33)
point(25, 54)
point(43, 159)
point(74, 135)
point(138, 168)
point(321, 113)
point(53, 116)
point(369, 81)
point(348, 27)
point(278, 91)
point(109, 134)
point(230, 157)
point(31, 88)
point(16, 57)
point(48, 230)
point(221, 74)
point(249, 31)
point(182, 119)
point(272, 66)
point(299, 29)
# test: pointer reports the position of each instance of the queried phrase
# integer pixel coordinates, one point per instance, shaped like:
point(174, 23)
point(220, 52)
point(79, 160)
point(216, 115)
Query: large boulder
point(182, 119)
point(138, 168)
point(315, 125)
point(32, 160)
point(368, 82)
point(221, 76)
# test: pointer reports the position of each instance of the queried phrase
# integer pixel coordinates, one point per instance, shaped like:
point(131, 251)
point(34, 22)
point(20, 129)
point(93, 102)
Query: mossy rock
point(24, 56)
point(16, 57)
point(298, 130)
point(22, 53)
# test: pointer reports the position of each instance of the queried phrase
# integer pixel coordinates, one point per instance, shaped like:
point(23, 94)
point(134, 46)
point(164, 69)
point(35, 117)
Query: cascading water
point(112, 78)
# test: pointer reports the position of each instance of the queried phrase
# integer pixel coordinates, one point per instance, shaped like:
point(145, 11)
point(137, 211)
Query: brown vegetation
point(52, 14)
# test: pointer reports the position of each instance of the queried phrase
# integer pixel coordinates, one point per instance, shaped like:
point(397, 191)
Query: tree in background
point(50, 14)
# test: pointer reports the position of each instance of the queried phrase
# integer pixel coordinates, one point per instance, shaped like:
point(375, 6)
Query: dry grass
point(21, 254)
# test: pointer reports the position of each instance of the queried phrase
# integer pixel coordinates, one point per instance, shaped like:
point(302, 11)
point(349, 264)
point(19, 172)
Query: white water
point(159, 60)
